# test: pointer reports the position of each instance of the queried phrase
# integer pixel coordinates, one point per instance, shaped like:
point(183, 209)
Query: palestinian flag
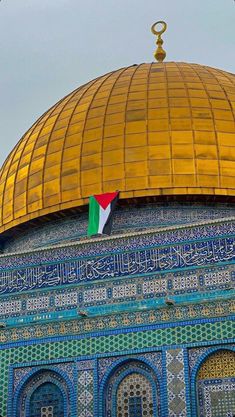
point(101, 207)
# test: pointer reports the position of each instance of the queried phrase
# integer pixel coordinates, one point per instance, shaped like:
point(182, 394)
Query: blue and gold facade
point(140, 323)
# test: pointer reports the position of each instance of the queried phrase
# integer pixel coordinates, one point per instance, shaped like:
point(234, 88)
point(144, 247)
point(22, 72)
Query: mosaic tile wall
point(157, 297)
point(215, 391)
point(126, 264)
point(37, 382)
point(141, 240)
point(218, 365)
point(125, 219)
point(176, 389)
point(194, 271)
point(112, 321)
point(139, 390)
point(94, 297)
point(110, 342)
point(216, 385)
point(85, 393)
point(134, 380)
point(217, 397)
point(76, 263)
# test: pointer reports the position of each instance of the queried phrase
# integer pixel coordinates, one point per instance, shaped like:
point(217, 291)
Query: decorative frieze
point(116, 291)
point(117, 265)
point(125, 219)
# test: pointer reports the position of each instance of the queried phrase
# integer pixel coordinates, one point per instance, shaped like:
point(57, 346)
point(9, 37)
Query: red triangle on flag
point(105, 199)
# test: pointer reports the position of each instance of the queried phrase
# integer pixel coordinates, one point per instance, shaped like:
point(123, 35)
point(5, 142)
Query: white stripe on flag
point(104, 214)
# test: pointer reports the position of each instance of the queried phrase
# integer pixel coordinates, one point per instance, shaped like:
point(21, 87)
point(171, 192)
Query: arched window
point(216, 385)
point(47, 401)
point(44, 394)
point(134, 397)
point(132, 391)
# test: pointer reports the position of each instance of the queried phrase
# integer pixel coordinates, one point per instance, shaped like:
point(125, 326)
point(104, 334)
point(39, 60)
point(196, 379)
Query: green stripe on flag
point(94, 216)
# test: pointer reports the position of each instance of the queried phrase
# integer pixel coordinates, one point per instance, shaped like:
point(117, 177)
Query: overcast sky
point(50, 47)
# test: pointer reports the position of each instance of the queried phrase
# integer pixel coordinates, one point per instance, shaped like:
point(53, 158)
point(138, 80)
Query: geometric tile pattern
point(85, 393)
point(41, 373)
point(119, 244)
point(216, 397)
point(132, 382)
point(216, 385)
point(134, 388)
point(115, 292)
point(18, 375)
point(176, 383)
point(125, 218)
point(218, 365)
point(191, 268)
point(88, 364)
point(154, 358)
point(120, 341)
point(43, 386)
point(194, 355)
point(120, 319)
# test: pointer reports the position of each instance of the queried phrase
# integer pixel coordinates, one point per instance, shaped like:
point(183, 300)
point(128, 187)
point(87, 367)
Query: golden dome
point(146, 130)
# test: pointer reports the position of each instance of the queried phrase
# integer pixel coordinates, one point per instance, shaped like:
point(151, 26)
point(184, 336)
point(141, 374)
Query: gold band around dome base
point(159, 54)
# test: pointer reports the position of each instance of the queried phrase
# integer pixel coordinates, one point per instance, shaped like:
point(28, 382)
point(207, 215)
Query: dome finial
point(159, 54)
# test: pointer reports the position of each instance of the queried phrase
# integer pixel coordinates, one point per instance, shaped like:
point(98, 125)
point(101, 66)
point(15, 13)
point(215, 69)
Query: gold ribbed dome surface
point(146, 130)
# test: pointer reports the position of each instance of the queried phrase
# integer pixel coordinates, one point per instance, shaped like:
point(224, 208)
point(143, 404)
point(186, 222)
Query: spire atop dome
point(159, 54)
